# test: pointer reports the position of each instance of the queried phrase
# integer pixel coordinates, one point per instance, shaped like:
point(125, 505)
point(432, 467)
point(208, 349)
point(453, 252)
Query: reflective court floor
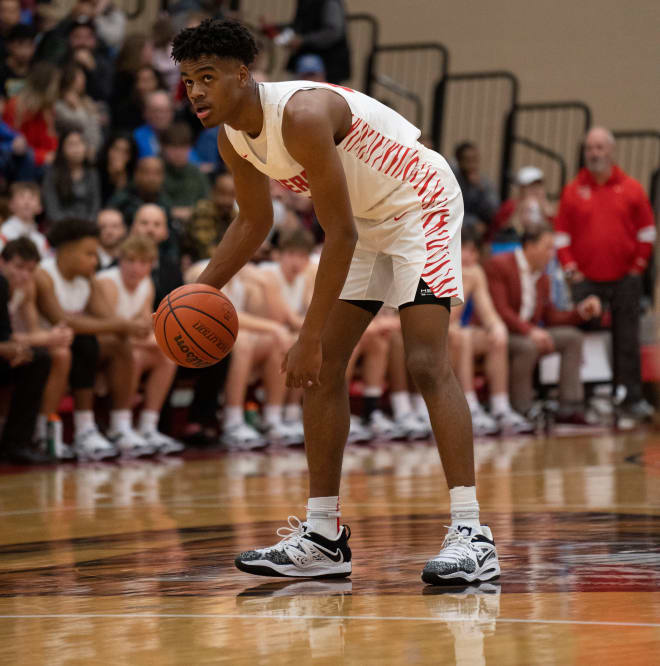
point(132, 563)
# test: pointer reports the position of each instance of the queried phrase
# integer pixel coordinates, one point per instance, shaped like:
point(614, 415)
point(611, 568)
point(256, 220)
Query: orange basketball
point(196, 325)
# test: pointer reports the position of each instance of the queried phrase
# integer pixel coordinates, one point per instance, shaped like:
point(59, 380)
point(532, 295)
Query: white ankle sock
point(232, 416)
point(272, 414)
point(323, 516)
point(464, 506)
point(418, 404)
point(83, 421)
point(472, 400)
point(401, 404)
point(41, 427)
point(120, 420)
point(149, 420)
point(499, 403)
point(292, 412)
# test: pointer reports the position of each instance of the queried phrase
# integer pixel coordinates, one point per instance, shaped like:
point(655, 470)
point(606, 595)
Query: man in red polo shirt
point(605, 234)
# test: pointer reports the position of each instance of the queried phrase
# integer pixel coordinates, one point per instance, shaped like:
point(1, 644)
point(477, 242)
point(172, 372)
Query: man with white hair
point(605, 234)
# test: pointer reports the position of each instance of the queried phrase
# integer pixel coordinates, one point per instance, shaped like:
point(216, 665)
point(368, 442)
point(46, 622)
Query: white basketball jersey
point(129, 303)
point(292, 292)
point(379, 153)
point(72, 295)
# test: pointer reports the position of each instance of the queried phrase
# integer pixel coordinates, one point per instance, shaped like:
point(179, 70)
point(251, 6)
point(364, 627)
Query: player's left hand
point(302, 364)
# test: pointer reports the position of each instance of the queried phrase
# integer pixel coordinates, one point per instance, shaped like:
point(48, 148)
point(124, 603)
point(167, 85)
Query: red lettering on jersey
point(297, 184)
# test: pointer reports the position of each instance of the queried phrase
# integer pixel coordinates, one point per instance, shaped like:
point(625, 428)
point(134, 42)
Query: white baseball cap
point(528, 175)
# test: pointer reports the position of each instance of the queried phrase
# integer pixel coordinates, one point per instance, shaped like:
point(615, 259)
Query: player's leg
point(319, 547)
point(160, 370)
point(58, 380)
point(236, 433)
point(468, 553)
point(117, 355)
point(497, 373)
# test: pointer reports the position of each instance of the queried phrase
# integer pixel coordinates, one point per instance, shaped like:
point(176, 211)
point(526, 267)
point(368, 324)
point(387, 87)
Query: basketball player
point(391, 211)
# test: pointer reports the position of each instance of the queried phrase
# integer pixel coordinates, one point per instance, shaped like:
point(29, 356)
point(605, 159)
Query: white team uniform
point(72, 295)
point(129, 303)
point(406, 201)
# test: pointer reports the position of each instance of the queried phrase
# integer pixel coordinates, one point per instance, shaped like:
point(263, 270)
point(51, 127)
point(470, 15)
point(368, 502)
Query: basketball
point(195, 325)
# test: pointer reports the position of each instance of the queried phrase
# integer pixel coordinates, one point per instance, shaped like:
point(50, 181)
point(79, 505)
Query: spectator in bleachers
point(204, 231)
point(319, 27)
point(310, 67)
point(20, 47)
point(530, 206)
point(129, 291)
point(158, 114)
point(16, 157)
point(605, 235)
point(146, 187)
point(112, 232)
point(19, 262)
point(25, 370)
point(485, 337)
point(71, 187)
point(223, 196)
point(68, 292)
point(75, 110)
point(184, 183)
point(134, 78)
point(163, 32)
point(109, 21)
point(480, 199)
point(206, 151)
point(151, 220)
point(521, 292)
point(117, 162)
point(24, 206)
point(10, 16)
point(31, 112)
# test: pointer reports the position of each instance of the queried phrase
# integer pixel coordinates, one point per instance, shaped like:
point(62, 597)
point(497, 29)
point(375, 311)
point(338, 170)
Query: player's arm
point(483, 303)
point(309, 127)
point(250, 228)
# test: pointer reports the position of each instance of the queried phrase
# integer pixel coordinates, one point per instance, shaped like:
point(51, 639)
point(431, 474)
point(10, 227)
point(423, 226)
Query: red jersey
point(604, 231)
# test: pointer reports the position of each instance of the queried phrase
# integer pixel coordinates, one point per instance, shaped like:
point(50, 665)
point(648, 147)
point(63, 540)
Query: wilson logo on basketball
point(210, 336)
point(191, 358)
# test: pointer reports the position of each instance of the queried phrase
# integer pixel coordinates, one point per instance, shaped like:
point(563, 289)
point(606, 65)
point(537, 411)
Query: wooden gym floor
point(131, 563)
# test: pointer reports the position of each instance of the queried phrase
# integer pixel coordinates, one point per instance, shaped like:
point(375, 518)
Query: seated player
point(19, 262)
point(260, 346)
point(129, 292)
point(68, 292)
point(287, 291)
point(25, 370)
point(151, 220)
point(488, 338)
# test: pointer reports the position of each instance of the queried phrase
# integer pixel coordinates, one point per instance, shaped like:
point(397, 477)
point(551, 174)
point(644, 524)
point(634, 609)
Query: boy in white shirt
point(24, 205)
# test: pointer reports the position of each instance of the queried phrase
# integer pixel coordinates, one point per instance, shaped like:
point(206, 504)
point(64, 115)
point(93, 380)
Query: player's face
point(134, 269)
point(293, 262)
point(214, 87)
point(85, 256)
point(18, 271)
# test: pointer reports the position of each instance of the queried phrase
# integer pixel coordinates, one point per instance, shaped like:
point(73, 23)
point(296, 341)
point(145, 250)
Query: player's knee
point(428, 368)
point(60, 358)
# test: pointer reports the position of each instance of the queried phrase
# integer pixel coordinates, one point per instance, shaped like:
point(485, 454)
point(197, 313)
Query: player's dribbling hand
point(302, 364)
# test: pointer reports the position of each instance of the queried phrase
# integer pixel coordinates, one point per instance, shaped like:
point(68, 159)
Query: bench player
point(391, 211)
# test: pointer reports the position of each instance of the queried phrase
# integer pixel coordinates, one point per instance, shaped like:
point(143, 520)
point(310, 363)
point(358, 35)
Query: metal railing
point(408, 75)
point(474, 106)
point(538, 134)
point(638, 154)
point(363, 31)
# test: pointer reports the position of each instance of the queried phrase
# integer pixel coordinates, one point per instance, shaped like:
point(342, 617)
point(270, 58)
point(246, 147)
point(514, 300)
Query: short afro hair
point(215, 37)
point(71, 230)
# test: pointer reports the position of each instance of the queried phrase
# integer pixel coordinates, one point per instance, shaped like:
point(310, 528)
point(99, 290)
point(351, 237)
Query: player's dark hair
point(296, 240)
point(214, 37)
point(462, 147)
point(21, 247)
point(534, 232)
point(71, 230)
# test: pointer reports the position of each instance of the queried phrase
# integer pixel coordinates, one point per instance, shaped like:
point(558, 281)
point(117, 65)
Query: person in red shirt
point(605, 234)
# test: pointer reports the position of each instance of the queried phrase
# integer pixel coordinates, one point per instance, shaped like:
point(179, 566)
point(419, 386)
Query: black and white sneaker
point(300, 554)
point(467, 555)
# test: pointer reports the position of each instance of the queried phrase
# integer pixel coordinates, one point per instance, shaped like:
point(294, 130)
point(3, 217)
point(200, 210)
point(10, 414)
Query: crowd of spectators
point(112, 195)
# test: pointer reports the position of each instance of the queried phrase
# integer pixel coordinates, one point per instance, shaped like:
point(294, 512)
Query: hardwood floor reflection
point(133, 562)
